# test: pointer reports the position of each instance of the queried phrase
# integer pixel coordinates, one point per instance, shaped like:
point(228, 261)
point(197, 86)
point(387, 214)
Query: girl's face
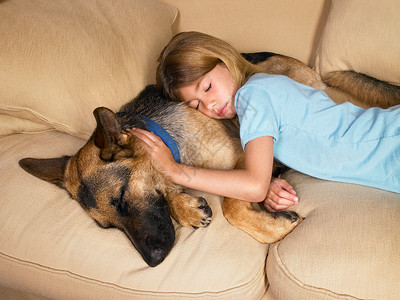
point(213, 94)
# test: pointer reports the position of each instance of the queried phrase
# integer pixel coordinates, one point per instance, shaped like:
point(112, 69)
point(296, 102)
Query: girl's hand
point(281, 195)
point(156, 148)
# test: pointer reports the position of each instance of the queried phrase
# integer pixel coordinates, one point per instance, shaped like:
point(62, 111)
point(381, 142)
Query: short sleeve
point(257, 115)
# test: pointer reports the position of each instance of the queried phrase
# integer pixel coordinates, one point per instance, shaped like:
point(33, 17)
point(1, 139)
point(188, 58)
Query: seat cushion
point(50, 247)
point(347, 247)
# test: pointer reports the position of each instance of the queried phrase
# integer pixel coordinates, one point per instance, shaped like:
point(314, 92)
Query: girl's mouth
point(222, 111)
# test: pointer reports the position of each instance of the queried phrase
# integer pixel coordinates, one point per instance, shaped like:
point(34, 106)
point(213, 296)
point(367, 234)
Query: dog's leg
point(265, 227)
point(188, 210)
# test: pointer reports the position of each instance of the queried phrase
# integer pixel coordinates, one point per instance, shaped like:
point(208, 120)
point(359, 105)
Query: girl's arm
point(249, 184)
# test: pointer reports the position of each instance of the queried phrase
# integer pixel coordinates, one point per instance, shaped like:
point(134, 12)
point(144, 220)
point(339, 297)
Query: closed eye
point(120, 198)
point(209, 87)
point(197, 106)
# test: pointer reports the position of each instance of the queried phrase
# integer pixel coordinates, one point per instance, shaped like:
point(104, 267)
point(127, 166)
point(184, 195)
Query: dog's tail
point(369, 90)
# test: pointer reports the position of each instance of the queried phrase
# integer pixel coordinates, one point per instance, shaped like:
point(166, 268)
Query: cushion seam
point(301, 284)
point(44, 120)
point(128, 290)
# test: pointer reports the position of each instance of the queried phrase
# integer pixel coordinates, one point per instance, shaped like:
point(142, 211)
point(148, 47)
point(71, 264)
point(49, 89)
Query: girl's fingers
point(147, 137)
point(285, 199)
point(278, 193)
point(268, 207)
point(142, 134)
point(273, 207)
point(281, 195)
point(284, 185)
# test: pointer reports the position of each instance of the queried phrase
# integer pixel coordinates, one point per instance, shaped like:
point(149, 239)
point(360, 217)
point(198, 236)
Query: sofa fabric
point(59, 59)
point(287, 27)
point(363, 36)
point(353, 242)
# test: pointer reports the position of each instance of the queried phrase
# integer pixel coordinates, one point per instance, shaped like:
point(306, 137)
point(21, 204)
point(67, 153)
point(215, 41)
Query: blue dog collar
point(163, 135)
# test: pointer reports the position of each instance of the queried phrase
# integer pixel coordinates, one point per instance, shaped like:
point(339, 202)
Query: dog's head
point(115, 182)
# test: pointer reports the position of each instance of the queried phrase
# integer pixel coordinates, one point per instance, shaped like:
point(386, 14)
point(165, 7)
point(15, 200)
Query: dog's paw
point(292, 216)
point(191, 211)
point(286, 221)
point(205, 212)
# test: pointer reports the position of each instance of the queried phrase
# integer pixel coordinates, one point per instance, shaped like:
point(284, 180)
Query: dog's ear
point(108, 136)
point(51, 169)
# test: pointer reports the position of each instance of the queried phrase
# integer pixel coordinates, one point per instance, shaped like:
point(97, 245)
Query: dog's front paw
point(205, 212)
point(190, 211)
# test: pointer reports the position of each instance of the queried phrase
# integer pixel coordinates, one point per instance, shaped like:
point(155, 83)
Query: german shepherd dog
point(116, 183)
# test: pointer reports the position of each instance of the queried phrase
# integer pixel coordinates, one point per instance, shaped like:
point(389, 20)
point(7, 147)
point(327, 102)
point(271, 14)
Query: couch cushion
point(12, 124)
point(347, 247)
point(364, 36)
point(61, 59)
point(50, 247)
point(287, 27)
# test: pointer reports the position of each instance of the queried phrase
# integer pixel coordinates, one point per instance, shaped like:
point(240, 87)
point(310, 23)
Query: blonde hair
point(190, 55)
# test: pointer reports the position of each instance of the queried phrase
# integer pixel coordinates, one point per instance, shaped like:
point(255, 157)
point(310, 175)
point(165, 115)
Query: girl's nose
point(210, 104)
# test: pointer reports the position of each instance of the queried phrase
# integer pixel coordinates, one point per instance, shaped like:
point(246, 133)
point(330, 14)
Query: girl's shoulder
point(269, 81)
point(261, 87)
point(264, 78)
point(272, 83)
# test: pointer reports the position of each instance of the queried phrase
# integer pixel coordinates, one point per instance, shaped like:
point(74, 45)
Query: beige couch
point(60, 59)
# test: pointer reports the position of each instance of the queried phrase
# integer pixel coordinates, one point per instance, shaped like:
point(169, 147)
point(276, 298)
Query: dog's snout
point(156, 257)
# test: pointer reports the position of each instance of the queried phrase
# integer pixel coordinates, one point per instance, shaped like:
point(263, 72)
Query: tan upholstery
point(362, 35)
point(287, 27)
point(59, 60)
point(349, 234)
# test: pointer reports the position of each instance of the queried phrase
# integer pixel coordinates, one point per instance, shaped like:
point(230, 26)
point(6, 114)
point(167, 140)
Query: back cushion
point(59, 59)
point(364, 36)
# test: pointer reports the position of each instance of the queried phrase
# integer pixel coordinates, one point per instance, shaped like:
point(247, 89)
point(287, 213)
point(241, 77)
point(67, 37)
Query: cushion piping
point(251, 285)
point(303, 285)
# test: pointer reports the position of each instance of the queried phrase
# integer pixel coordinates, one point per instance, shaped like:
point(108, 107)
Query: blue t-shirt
point(314, 135)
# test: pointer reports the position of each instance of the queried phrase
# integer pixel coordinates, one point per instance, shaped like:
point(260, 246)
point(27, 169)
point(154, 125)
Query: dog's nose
point(156, 257)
